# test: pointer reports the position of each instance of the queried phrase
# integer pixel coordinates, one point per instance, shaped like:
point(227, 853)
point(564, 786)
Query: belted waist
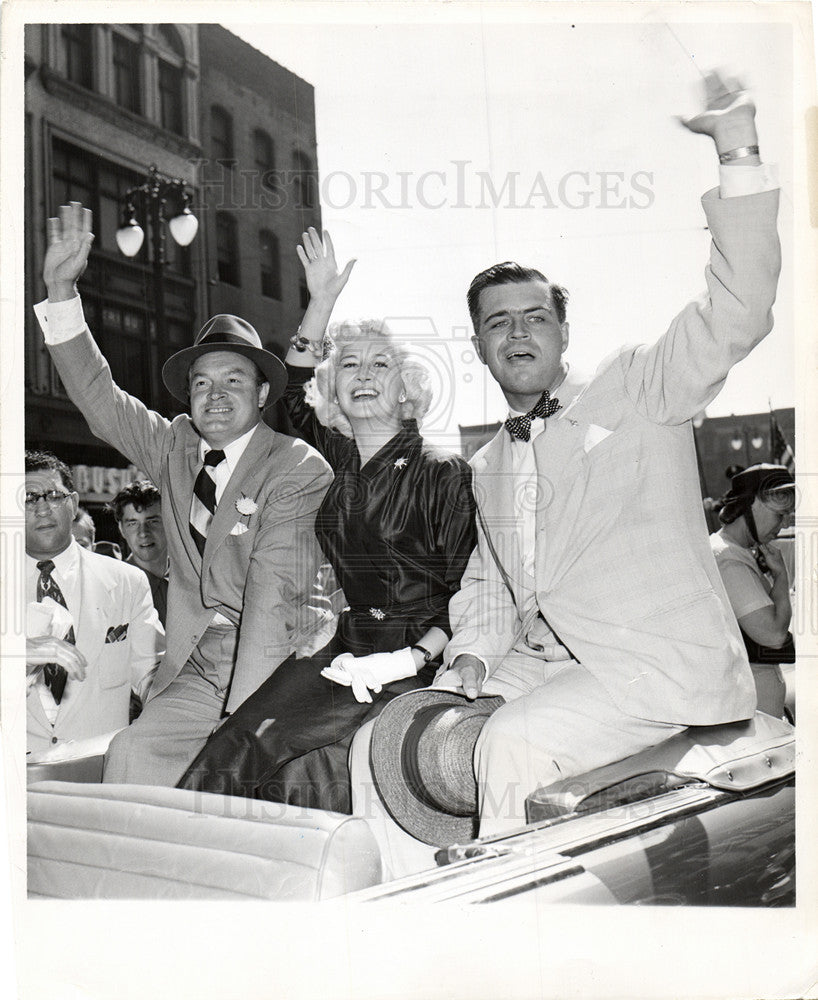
point(407, 610)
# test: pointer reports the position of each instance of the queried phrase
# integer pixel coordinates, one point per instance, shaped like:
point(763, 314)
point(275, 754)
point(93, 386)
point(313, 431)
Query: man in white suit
point(99, 636)
point(592, 602)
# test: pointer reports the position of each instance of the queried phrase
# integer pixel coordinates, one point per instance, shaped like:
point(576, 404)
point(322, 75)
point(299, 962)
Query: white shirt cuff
point(736, 180)
point(60, 321)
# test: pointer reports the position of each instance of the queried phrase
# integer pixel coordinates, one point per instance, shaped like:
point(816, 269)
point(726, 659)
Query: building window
point(122, 338)
point(79, 54)
point(171, 79)
point(221, 135)
point(78, 175)
point(270, 265)
point(170, 98)
point(118, 292)
point(304, 181)
point(264, 159)
point(73, 176)
point(127, 91)
point(227, 249)
point(112, 182)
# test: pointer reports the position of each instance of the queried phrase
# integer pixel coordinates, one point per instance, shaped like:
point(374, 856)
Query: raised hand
point(729, 115)
point(320, 269)
point(69, 243)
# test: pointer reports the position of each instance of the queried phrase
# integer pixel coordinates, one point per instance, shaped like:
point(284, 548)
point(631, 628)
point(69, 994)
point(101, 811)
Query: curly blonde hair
point(320, 390)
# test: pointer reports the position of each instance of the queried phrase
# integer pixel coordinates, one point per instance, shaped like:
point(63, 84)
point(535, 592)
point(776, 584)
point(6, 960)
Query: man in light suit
point(238, 502)
point(114, 638)
point(592, 602)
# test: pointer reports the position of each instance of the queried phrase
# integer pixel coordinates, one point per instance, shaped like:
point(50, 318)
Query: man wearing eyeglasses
point(93, 634)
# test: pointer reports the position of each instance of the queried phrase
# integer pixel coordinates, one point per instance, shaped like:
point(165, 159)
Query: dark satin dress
point(398, 533)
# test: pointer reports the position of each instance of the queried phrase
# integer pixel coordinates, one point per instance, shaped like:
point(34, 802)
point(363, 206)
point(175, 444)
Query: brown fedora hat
point(225, 333)
point(421, 757)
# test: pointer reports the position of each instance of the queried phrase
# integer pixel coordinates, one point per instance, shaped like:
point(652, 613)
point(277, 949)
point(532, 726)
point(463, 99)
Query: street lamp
point(183, 227)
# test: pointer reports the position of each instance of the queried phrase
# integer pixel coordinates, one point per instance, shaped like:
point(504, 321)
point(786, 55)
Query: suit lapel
point(244, 481)
point(494, 479)
point(183, 465)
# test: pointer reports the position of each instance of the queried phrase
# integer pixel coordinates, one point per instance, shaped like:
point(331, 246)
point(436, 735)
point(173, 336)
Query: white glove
point(365, 673)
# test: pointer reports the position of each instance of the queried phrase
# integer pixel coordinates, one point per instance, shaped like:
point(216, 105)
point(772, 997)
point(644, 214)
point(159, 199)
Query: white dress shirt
point(66, 575)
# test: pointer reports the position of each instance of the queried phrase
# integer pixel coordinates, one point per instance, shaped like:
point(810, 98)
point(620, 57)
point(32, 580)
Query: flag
point(780, 451)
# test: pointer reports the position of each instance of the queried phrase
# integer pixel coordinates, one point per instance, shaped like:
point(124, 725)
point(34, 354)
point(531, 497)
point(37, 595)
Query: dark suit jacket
point(159, 590)
point(257, 568)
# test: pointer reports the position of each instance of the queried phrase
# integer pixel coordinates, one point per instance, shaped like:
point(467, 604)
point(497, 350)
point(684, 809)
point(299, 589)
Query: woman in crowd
point(755, 576)
point(397, 525)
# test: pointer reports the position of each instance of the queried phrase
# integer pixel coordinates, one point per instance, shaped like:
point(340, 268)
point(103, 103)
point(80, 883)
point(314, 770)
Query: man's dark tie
point(53, 674)
point(520, 427)
point(203, 505)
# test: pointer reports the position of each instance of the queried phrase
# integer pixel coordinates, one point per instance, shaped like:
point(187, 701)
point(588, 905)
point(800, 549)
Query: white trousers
point(558, 721)
point(563, 726)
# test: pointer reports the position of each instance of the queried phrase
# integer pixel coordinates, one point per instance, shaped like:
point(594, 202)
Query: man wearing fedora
point(592, 603)
point(238, 502)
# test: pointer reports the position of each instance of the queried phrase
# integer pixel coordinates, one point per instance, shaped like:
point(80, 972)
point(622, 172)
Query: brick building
point(103, 103)
point(260, 186)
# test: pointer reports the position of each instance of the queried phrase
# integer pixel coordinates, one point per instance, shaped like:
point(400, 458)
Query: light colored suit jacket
point(257, 568)
point(111, 595)
point(623, 572)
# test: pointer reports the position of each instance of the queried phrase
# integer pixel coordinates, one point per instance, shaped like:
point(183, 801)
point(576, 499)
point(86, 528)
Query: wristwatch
point(424, 652)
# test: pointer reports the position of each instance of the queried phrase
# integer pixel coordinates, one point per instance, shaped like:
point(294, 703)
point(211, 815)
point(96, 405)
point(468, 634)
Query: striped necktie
point(53, 674)
point(203, 505)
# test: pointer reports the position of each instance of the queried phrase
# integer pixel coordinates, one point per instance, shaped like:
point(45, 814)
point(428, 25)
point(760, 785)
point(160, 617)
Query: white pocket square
point(594, 435)
point(238, 528)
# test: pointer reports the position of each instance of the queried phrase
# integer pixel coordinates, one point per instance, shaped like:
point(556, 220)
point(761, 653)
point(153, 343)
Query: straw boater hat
point(421, 756)
point(225, 333)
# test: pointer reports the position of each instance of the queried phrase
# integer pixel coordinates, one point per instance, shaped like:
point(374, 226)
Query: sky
point(447, 145)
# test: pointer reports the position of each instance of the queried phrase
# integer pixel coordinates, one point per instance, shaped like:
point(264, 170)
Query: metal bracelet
point(738, 154)
point(300, 343)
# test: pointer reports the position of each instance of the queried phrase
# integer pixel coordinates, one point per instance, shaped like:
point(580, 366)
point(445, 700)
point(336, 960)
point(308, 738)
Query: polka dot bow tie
point(520, 427)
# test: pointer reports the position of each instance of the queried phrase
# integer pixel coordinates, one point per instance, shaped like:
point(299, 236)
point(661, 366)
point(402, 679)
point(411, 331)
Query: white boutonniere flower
point(400, 463)
point(246, 506)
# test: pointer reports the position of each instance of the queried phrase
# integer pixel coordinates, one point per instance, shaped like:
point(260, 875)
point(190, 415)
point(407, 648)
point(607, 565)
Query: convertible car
point(706, 818)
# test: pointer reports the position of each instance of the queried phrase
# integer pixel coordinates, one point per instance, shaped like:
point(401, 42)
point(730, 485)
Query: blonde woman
point(397, 525)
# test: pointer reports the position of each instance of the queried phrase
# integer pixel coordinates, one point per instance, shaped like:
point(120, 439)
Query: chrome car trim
point(492, 869)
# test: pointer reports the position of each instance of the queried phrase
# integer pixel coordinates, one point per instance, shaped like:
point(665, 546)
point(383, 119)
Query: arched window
point(126, 49)
point(171, 79)
point(221, 135)
point(77, 41)
point(264, 158)
point(269, 264)
point(304, 181)
point(227, 248)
